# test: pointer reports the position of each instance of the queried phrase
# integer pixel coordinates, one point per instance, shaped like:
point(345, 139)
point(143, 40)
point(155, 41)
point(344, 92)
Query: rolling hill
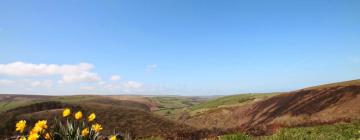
point(227, 101)
point(180, 117)
point(114, 118)
point(311, 106)
point(8, 102)
point(136, 115)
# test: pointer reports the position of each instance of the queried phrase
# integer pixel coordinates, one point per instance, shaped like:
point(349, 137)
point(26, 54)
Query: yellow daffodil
point(78, 115)
point(22, 138)
point(47, 136)
point(20, 126)
point(91, 117)
point(96, 127)
point(33, 136)
point(85, 132)
point(42, 124)
point(66, 112)
point(36, 130)
point(112, 138)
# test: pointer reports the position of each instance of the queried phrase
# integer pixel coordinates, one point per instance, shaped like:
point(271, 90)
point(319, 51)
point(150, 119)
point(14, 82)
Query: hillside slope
point(8, 102)
point(232, 100)
point(138, 123)
point(337, 84)
point(303, 107)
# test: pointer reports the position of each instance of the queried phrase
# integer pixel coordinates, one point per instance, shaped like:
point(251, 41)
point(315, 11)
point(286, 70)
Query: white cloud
point(29, 69)
point(69, 73)
point(81, 77)
point(151, 67)
point(132, 85)
point(111, 86)
point(6, 82)
point(101, 83)
point(115, 78)
point(88, 88)
point(42, 84)
point(22, 75)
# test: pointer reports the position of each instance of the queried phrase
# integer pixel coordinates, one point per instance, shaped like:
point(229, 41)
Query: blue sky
point(183, 47)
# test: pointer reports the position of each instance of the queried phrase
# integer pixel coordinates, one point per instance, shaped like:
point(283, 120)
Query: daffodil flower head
point(66, 112)
point(85, 132)
point(96, 127)
point(36, 130)
point(112, 138)
point(78, 115)
point(47, 136)
point(34, 136)
point(20, 126)
point(42, 124)
point(91, 117)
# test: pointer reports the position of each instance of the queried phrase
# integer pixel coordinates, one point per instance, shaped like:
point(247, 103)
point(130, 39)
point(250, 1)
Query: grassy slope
point(138, 123)
point(8, 102)
point(231, 100)
point(340, 131)
point(168, 106)
point(243, 98)
point(345, 83)
point(171, 106)
point(20, 100)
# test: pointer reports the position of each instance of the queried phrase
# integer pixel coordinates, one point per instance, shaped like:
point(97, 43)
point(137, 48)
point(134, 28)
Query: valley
point(312, 113)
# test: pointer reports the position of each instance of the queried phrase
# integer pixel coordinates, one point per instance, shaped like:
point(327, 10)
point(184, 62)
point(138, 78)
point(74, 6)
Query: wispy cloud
point(88, 88)
point(132, 85)
point(42, 84)
point(81, 77)
point(115, 78)
point(6, 82)
point(28, 69)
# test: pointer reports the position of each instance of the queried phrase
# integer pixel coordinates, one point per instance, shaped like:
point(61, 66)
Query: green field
point(173, 105)
point(231, 100)
point(168, 106)
point(340, 131)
